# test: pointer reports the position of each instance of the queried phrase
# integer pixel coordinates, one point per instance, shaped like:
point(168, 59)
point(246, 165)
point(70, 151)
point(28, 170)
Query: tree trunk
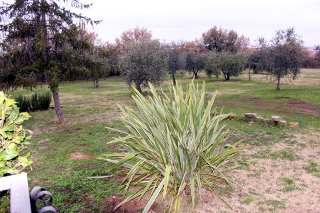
point(195, 74)
point(174, 79)
point(97, 83)
point(226, 76)
point(138, 87)
point(249, 74)
point(57, 105)
point(278, 83)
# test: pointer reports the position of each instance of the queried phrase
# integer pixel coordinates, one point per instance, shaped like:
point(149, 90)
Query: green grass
point(313, 168)
point(286, 154)
point(89, 110)
point(289, 185)
point(247, 200)
point(274, 205)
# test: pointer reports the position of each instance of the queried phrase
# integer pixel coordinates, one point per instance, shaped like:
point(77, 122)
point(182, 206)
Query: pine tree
point(41, 43)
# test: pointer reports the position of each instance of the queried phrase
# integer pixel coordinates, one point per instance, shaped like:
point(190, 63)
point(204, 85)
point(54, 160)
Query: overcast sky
point(186, 20)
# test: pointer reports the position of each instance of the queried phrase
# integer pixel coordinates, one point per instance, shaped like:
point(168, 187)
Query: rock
point(259, 118)
point(293, 124)
point(276, 118)
point(250, 116)
point(282, 123)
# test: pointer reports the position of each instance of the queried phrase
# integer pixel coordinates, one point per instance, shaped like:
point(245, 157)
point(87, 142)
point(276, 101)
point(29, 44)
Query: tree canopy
point(144, 62)
point(195, 62)
point(229, 64)
point(219, 39)
point(283, 56)
point(42, 43)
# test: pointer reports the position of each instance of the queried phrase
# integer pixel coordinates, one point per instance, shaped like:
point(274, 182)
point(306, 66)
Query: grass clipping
point(172, 146)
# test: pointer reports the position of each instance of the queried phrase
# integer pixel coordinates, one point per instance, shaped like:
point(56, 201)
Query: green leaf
point(12, 135)
point(153, 197)
point(166, 179)
point(24, 161)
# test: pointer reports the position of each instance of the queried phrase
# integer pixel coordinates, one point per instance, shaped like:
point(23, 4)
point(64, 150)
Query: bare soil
point(262, 187)
point(79, 156)
point(292, 105)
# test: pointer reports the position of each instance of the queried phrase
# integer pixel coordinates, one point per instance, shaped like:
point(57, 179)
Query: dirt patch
point(109, 113)
point(79, 156)
point(44, 142)
point(311, 136)
point(301, 105)
point(37, 130)
point(130, 207)
point(262, 186)
point(291, 106)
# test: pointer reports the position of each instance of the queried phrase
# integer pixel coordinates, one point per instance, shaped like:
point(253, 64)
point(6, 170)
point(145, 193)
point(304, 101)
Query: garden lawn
point(280, 163)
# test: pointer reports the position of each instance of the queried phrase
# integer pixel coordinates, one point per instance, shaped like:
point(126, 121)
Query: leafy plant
point(172, 144)
point(23, 103)
point(14, 139)
point(40, 101)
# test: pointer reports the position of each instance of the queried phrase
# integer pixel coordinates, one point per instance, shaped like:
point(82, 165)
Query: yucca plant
point(172, 144)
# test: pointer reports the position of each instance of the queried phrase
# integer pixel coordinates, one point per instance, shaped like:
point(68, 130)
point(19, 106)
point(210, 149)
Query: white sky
point(186, 20)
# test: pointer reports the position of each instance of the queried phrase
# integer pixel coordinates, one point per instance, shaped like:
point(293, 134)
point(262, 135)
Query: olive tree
point(283, 56)
point(144, 62)
point(227, 63)
point(211, 64)
point(176, 61)
point(195, 62)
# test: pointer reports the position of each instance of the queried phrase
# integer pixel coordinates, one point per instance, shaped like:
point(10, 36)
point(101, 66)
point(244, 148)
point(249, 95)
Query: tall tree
point(49, 48)
point(283, 56)
point(144, 62)
point(219, 39)
point(176, 61)
point(195, 62)
point(229, 64)
point(132, 36)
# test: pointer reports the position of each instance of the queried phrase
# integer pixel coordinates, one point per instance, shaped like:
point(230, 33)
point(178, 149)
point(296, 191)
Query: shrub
point(171, 143)
point(14, 139)
point(23, 103)
point(36, 102)
point(40, 101)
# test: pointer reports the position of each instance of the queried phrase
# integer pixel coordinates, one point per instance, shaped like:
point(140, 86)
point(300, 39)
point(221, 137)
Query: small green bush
point(35, 102)
point(14, 157)
point(40, 101)
point(172, 144)
point(23, 103)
